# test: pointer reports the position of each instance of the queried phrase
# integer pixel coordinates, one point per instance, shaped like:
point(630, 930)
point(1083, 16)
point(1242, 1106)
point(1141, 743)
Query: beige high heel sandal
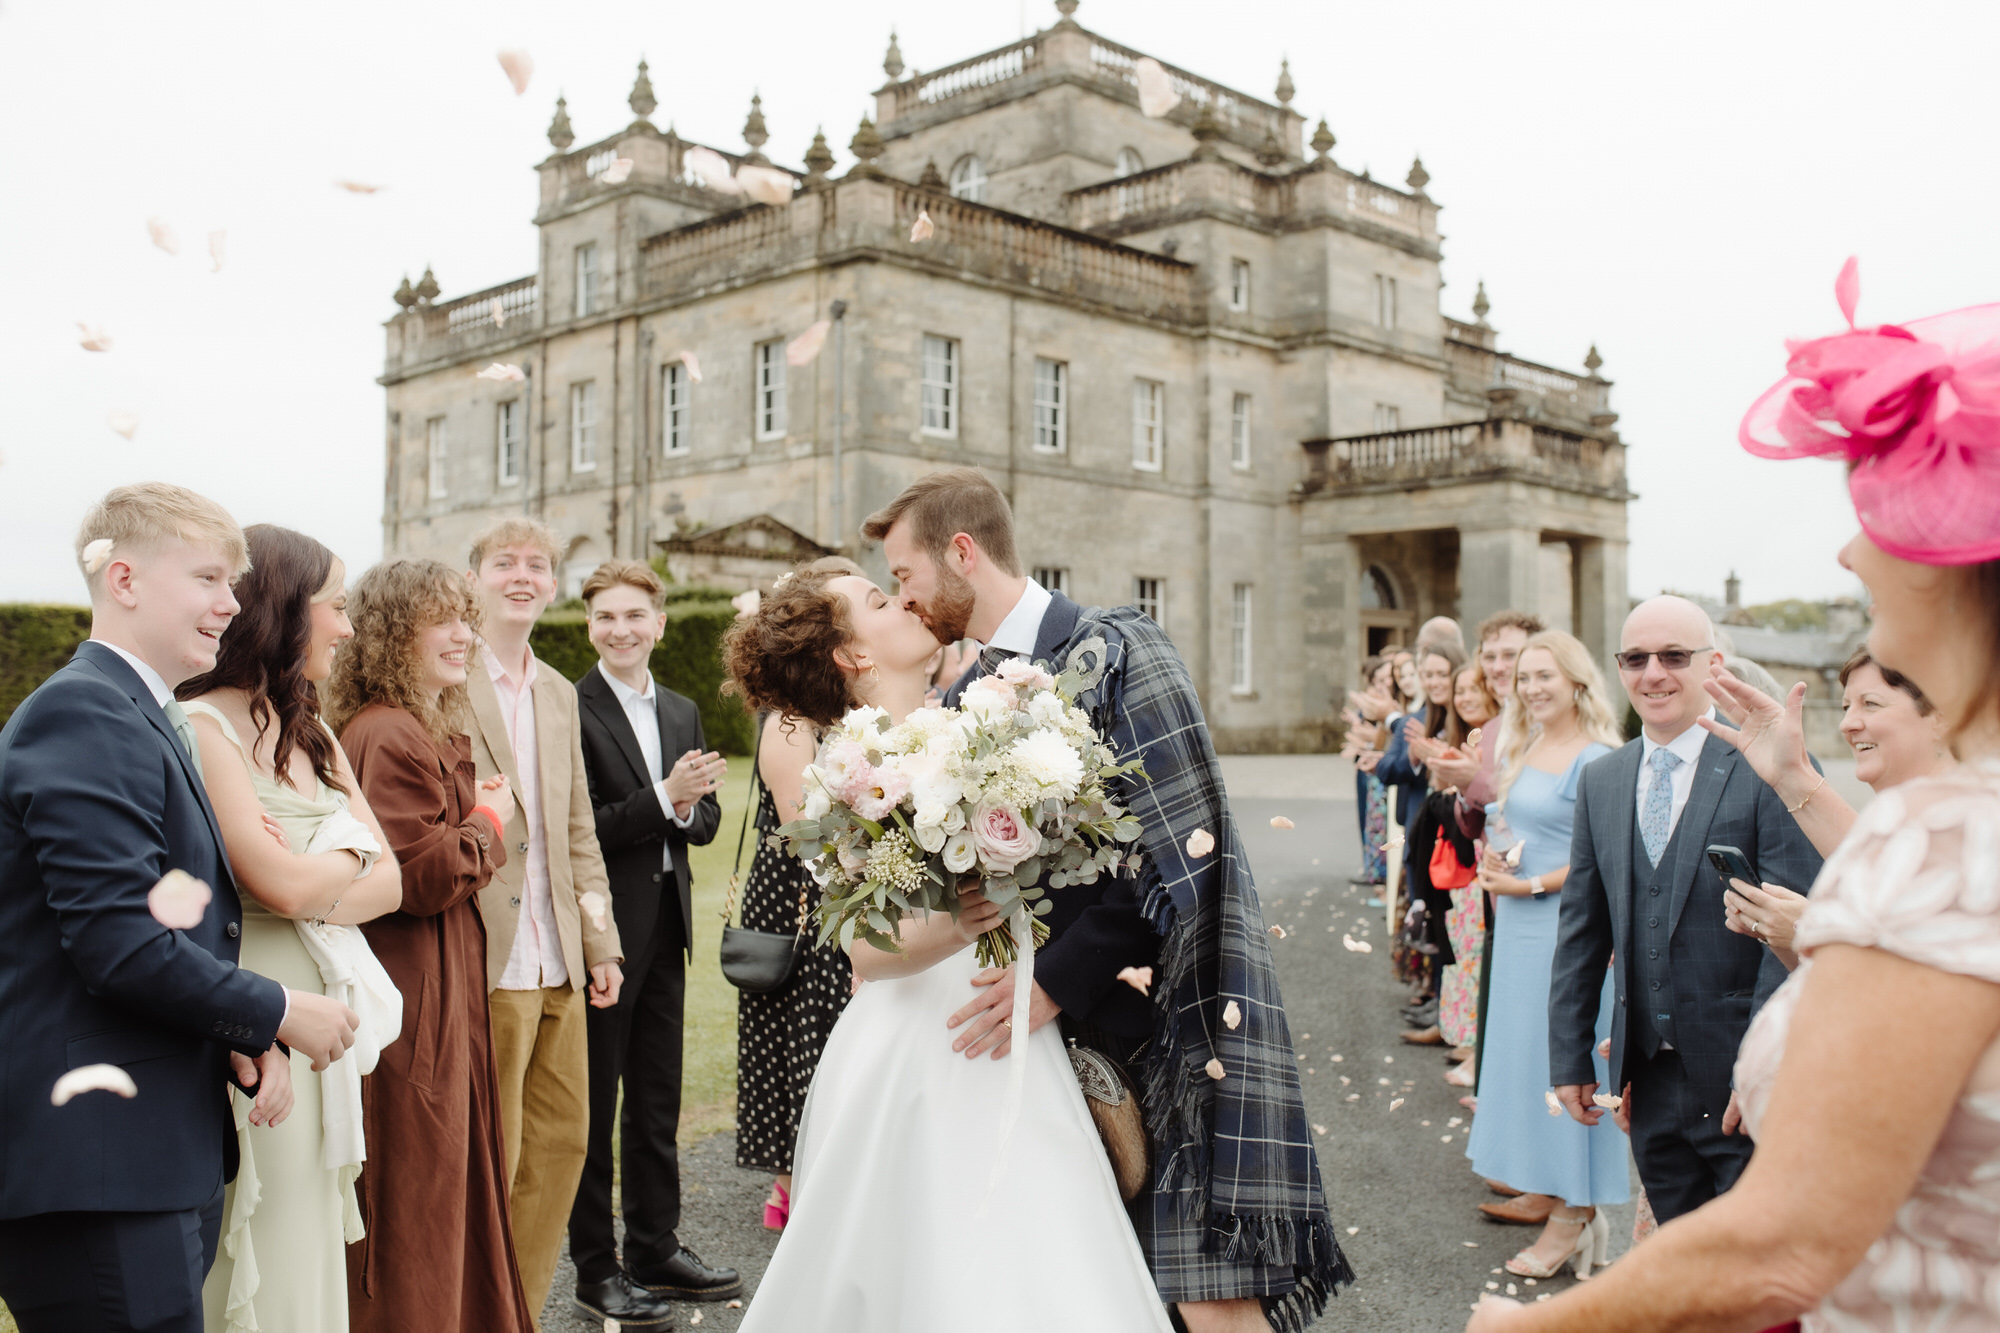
point(1592, 1249)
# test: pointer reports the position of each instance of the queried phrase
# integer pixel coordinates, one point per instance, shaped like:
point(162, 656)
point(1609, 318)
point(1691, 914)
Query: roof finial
point(1285, 89)
point(560, 134)
point(1206, 131)
point(932, 179)
point(1067, 8)
point(866, 145)
point(641, 100)
point(1322, 141)
point(1593, 363)
point(819, 160)
point(427, 286)
point(405, 297)
point(1271, 153)
point(1418, 177)
point(754, 133)
point(1480, 305)
point(892, 64)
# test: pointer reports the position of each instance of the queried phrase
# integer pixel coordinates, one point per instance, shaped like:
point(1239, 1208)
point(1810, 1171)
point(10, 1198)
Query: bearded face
point(949, 610)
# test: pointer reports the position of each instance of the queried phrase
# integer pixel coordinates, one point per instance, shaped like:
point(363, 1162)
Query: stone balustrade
point(461, 326)
point(1497, 449)
point(1573, 397)
point(1321, 192)
point(659, 161)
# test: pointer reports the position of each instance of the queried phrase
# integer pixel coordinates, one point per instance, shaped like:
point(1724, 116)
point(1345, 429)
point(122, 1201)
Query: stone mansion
point(1206, 362)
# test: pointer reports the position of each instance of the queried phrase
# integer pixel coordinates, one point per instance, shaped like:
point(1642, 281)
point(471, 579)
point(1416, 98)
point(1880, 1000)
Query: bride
point(914, 1206)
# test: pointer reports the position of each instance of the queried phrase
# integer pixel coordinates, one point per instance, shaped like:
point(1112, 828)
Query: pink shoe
point(779, 1213)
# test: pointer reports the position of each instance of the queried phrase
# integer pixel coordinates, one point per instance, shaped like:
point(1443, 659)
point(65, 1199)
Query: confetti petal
point(1232, 1016)
point(96, 554)
point(1395, 1102)
point(1513, 857)
point(93, 1078)
point(734, 1305)
point(178, 900)
point(1604, 1048)
point(767, 185)
point(801, 350)
point(1215, 1070)
point(612, 1326)
point(1138, 978)
point(1279, 821)
point(356, 187)
point(216, 241)
point(498, 310)
point(1200, 843)
point(1472, 738)
point(592, 904)
point(163, 235)
point(923, 228)
point(747, 604)
point(1609, 1101)
point(93, 339)
point(497, 371)
point(1555, 1107)
point(694, 366)
point(1277, 932)
point(714, 170)
point(1354, 1231)
point(695, 1318)
point(1470, 1244)
point(1156, 91)
point(1319, 1129)
point(618, 172)
point(126, 424)
point(1353, 945)
point(520, 67)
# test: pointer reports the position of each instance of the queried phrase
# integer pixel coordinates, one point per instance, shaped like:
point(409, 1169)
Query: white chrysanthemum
point(1047, 709)
point(862, 724)
point(816, 801)
point(935, 788)
point(1050, 760)
point(986, 706)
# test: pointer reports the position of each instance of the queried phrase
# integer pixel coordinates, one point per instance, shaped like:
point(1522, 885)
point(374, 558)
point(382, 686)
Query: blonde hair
point(632, 574)
point(1594, 717)
point(389, 606)
point(515, 530)
point(147, 515)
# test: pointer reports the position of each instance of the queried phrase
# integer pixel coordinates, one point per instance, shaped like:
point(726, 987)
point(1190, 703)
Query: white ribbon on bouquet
point(1017, 1076)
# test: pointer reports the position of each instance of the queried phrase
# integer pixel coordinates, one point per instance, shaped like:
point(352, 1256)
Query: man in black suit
point(652, 782)
point(110, 1208)
point(1640, 887)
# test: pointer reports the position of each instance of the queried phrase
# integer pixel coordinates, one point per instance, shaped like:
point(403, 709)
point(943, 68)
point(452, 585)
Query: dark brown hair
point(264, 652)
point(1895, 679)
point(1529, 625)
point(944, 504)
point(781, 659)
point(1442, 719)
point(390, 605)
point(1460, 727)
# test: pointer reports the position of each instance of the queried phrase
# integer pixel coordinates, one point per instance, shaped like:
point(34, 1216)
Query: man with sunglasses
point(1641, 896)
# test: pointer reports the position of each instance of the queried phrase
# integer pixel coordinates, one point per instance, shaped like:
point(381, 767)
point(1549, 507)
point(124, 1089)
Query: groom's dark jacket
point(98, 800)
point(1095, 930)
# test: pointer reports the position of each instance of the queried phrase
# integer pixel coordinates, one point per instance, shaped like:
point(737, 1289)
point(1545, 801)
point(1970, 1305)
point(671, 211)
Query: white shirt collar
point(1686, 746)
point(1018, 632)
point(625, 693)
point(154, 680)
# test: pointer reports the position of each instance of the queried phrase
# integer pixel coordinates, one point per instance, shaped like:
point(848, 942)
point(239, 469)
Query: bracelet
point(492, 814)
point(1794, 809)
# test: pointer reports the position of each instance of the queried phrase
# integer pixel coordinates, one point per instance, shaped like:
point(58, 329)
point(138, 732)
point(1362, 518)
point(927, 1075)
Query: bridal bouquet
point(1012, 787)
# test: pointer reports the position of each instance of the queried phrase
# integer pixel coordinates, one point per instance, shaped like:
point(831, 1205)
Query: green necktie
point(185, 730)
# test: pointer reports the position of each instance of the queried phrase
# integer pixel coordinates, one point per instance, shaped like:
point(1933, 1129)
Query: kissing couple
point(918, 1201)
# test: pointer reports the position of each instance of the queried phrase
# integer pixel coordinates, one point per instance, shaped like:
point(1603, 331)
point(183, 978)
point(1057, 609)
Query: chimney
point(1732, 591)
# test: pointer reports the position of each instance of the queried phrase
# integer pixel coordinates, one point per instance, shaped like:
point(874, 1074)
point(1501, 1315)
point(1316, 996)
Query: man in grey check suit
point(1642, 896)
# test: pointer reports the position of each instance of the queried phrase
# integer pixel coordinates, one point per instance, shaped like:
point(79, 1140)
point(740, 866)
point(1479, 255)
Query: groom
point(1233, 1221)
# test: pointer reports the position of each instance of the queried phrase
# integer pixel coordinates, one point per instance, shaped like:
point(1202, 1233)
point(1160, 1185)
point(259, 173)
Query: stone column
point(1602, 598)
point(1500, 569)
point(1329, 631)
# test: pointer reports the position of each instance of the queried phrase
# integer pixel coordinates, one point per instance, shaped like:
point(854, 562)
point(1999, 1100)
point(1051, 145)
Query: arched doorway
point(1386, 617)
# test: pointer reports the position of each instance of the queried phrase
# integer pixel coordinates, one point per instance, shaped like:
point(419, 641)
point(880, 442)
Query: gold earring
point(875, 673)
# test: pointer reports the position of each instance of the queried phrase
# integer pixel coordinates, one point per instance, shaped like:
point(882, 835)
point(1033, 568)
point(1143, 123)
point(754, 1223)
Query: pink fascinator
point(1915, 409)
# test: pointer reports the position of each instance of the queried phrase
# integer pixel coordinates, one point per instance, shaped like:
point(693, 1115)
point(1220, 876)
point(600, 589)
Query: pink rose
point(1020, 671)
point(1004, 839)
point(880, 792)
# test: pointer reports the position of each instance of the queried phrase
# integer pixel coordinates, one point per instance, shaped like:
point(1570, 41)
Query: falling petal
point(498, 310)
point(1356, 946)
point(1200, 843)
point(93, 339)
point(1472, 738)
point(216, 240)
point(356, 187)
point(163, 236)
point(694, 366)
point(497, 371)
point(1277, 932)
point(1609, 1101)
point(1395, 1102)
point(93, 1078)
point(1279, 821)
point(1156, 91)
point(734, 1305)
point(923, 228)
point(1555, 1107)
point(747, 603)
point(96, 555)
point(1354, 1231)
point(1513, 857)
point(714, 170)
point(592, 904)
point(617, 173)
point(520, 67)
point(1319, 1129)
point(1138, 978)
point(1215, 1070)
point(1604, 1048)
point(125, 423)
point(178, 900)
point(1847, 288)
point(801, 350)
point(1232, 1017)
point(767, 185)
point(1470, 1244)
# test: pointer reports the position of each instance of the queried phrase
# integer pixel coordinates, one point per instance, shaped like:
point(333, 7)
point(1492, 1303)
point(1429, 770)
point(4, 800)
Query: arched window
point(1377, 593)
point(968, 180)
point(1129, 162)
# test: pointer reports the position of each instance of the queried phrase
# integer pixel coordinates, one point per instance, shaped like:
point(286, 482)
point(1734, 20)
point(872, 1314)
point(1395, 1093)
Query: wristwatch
point(1536, 887)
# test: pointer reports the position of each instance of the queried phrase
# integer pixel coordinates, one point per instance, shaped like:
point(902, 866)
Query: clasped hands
point(988, 1019)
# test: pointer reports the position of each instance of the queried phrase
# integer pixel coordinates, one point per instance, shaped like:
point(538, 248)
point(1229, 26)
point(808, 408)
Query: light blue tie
point(177, 718)
point(1656, 817)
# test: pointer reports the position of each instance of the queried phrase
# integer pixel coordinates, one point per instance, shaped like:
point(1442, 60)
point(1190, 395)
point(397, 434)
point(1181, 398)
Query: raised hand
point(1773, 736)
point(694, 776)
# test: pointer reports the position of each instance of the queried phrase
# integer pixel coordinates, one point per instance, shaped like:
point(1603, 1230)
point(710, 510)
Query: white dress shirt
point(154, 680)
point(1687, 748)
point(1018, 632)
point(643, 712)
point(536, 960)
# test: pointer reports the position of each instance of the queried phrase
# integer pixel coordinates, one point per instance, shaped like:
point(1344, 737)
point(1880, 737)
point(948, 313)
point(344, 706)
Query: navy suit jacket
point(1719, 977)
point(1095, 930)
point(98, 800)
point(1395, 769)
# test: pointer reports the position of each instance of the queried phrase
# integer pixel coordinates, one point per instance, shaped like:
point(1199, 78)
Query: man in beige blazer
point(550, 937)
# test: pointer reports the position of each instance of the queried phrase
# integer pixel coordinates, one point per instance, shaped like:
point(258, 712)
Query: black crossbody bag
point(758, 960)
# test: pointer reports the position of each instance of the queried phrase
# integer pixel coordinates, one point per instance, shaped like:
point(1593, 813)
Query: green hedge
point(34, 642)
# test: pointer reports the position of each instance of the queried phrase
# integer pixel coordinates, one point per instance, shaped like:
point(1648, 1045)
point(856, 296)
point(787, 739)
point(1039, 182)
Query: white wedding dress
point(897, 1220)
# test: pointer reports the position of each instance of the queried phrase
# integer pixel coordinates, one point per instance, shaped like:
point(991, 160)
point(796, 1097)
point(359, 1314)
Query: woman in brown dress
point(439, 1253)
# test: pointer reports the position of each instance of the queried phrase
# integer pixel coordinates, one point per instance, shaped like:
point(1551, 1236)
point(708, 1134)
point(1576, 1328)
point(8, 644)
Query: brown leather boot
point(1530, 1210)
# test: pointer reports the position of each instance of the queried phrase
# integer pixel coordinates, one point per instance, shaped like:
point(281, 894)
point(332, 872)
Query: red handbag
point(1446, 871)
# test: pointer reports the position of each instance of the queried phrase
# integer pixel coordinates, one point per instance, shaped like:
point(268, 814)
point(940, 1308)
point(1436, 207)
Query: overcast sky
point(1677, 183)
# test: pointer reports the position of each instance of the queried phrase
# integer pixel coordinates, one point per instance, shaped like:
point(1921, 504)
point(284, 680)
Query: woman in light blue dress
point(1558, 721)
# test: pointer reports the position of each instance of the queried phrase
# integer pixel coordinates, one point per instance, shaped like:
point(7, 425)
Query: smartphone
point(1730, 863)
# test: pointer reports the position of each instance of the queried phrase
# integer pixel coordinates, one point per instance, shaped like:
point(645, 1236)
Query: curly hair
point(781, 659)
point(389, 606)
point(264, 652)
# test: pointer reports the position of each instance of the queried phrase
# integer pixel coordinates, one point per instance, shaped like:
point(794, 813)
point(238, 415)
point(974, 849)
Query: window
point(1148, 427)
point(940, 385)
point(1388, 417)
point(1385, 301)
point(1150, 596)
point(434, 443)
point(1239, 431)
point(586, 280)
point(1239, 638)
point(508, 437)
point(1239, 284)
point(1129, 162)
point(583, 426)
point(770, 406)
point(1051, 406)
point(968, 180)
point(676, 437)
point(1053, 577)
point(1377, 592)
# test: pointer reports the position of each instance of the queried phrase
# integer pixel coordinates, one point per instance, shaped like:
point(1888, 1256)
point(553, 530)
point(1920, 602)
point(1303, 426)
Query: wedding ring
point(1007, 1023)
point(1757, 926)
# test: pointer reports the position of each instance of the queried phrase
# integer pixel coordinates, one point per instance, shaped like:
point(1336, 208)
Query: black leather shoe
point(686, 1278)
point(630, 1303)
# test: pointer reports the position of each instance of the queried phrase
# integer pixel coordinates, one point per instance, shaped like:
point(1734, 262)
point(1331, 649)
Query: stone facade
point(1264, 415)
